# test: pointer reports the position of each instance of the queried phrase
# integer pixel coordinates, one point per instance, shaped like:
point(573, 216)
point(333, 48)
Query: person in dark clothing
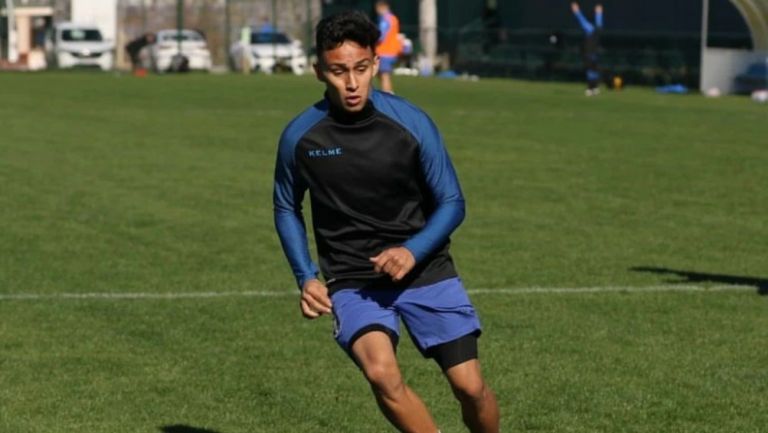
point(385, 199)
point(591, 50)
point(134, 47)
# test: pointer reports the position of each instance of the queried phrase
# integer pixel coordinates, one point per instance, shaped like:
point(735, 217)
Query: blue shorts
point(433, 314)
point(387, 64)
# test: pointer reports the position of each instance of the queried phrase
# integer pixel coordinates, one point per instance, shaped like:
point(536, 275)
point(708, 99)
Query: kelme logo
point(325, 153)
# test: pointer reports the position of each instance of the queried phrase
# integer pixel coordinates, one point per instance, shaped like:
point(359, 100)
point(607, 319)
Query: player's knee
point(472, 390)
point(384, 377)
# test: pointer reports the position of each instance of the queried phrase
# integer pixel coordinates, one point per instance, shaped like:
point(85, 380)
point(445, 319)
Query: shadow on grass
point(761, 284)
point(180, 428)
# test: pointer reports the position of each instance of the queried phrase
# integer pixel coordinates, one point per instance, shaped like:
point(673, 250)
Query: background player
point(134, 47)
point(389, 45)
point(591, 46)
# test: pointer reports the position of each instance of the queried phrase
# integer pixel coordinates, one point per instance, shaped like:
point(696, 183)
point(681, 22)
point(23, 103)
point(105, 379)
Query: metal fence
point(219, 20)
point(639, 58)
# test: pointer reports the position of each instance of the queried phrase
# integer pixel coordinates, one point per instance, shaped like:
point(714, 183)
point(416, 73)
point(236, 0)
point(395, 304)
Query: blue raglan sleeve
point(384, 26)
point(585, 24)
point(288, 195)
point(444, 184)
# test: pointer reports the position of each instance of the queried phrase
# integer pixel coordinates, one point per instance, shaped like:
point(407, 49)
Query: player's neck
point(351, 117)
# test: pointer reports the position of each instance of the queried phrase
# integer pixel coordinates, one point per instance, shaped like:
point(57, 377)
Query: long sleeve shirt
point(377, 179)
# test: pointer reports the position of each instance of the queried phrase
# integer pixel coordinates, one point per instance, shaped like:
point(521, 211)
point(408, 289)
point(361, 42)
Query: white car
point(72, 45)
point(267, 52)
point(193, 48)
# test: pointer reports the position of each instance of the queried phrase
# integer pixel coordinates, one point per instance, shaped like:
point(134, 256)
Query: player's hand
point(314, 299)
point(395, 262)
point(574, 7)
point(599, 9)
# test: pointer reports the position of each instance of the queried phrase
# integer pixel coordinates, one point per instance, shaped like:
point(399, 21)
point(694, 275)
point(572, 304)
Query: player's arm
point(599, 16)
point(289, 222)
point(384, 26)
point(585, 24)
point(449, 212)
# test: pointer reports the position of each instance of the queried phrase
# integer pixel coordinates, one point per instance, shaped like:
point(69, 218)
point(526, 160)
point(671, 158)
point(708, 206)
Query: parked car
point(72, 45)
point(194, 55)
point(268, 52)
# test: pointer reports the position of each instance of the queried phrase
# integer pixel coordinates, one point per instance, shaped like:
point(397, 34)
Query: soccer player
point(591, 46)
point(389, 45)
point(385, 199)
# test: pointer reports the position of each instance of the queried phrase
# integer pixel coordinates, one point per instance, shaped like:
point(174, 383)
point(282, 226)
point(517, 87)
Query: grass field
point(133, 188)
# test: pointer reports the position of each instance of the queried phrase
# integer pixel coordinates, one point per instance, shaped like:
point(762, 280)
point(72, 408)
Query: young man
point(591, 46)
point(389, 45)
point(385, 200)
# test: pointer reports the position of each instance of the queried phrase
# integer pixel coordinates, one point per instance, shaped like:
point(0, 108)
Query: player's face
point(348, 72)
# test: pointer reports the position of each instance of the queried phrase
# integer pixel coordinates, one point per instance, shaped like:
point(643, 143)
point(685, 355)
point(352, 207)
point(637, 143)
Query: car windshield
point(185, 36)
point(81, 35)
point(269, 38)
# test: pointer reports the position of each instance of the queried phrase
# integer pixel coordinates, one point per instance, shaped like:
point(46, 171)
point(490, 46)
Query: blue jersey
point(377, 179)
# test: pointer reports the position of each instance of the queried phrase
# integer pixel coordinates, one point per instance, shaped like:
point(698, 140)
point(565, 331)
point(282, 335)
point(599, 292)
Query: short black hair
point(353, 26)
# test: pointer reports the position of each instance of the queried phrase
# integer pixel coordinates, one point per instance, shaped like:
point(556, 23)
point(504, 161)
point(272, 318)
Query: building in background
point(23, 27)
point(99, 13)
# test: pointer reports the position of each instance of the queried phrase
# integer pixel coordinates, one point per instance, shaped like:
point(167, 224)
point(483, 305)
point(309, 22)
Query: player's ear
point(318, 71)
point(376, 65)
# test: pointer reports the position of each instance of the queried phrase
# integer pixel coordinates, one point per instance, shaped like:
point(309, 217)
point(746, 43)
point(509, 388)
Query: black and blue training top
point(377, 179)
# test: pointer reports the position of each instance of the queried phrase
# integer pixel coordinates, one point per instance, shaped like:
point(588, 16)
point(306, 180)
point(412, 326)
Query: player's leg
point(367, 329)
point(375, 355)
point(134, 60)
point(593, 74)
point(386, 82)
point(443, 324)
point(386, 66)
point(479, 408)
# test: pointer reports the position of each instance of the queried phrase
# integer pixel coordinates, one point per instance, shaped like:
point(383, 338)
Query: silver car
point(74, 45)
point(268, 52)
point(194, 49)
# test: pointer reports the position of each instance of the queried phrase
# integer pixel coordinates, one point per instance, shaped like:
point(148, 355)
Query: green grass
point(163, 185)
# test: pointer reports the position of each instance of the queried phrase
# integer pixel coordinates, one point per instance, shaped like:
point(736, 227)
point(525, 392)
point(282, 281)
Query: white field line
point(292, 293)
